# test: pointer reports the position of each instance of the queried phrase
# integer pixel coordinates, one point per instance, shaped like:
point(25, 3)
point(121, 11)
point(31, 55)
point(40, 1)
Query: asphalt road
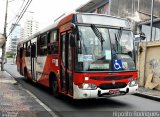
point(66, 107)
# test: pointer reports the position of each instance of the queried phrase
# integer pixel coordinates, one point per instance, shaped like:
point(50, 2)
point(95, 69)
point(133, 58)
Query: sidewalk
point(15, 101)
point(148, 93)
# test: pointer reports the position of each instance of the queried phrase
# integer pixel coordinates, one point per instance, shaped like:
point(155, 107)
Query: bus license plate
point(114, 91)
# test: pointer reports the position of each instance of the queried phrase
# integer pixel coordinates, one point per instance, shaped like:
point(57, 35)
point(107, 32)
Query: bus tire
point(54, 88)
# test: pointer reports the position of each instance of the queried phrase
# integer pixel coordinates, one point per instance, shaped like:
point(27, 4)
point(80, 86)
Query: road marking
point(42, 104)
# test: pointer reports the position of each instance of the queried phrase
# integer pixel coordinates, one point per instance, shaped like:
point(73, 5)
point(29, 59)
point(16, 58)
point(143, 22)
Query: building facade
point(137, 11)
point(95, 6)
point(30, 27)
point(146, 28)
point(14, 37)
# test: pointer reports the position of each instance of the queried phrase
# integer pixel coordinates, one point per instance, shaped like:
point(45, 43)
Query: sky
point(44, 11)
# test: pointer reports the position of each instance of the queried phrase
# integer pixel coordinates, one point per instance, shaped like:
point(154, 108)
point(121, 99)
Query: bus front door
point(33, 63)
point(66, 68)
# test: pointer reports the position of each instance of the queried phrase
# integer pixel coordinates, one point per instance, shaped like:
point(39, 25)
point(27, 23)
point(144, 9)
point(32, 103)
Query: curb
point(156, 98)
point(12, 76)
point(53, 114)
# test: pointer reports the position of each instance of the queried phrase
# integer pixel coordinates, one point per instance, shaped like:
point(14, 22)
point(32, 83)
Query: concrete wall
point(149, 64)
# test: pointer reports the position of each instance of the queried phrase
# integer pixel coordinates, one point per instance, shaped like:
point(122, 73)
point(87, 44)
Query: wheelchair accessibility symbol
point(117, 64)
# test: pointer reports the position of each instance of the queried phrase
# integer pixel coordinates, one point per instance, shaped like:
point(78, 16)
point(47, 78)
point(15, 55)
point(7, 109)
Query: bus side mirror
point(140, 36)
point(72, 40)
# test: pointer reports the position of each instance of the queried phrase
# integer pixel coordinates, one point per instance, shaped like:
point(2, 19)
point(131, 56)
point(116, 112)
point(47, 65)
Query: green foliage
point(10, 54)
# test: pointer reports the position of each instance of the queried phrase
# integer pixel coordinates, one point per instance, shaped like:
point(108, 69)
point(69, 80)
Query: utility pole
point(138, 6)
point(5, 35)
point(152, 12)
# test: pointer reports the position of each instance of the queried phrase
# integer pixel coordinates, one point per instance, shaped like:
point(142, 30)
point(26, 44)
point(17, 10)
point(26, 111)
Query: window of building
point(102, 9)
point(146, 29)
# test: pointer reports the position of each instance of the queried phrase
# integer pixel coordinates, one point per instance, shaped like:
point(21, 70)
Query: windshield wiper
point(98, 34)
point(117, 41)
point(117, 38)
point(119, 33)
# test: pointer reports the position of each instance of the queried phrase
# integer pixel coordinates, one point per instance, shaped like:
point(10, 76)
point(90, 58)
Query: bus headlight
point(89, 86)
point(133, 82)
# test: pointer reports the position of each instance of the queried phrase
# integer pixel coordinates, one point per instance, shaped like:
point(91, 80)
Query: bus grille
point(110, 78)
point(113, 86)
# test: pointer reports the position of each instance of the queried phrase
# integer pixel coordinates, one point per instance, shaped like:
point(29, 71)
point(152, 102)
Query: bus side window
point(42, 45)
point(53, 42)
point(28, 49)
point(21, 52)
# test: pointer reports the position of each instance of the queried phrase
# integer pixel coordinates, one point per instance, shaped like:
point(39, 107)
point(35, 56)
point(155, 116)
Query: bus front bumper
point(99, 93)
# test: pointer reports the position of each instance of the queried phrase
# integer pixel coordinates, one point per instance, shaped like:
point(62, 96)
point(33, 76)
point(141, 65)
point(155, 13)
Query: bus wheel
point(26, 77)
point(54, 88)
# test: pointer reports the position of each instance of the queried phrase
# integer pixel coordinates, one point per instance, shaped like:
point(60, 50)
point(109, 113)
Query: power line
point(17, 12)
point(24, 12)
point(20, 16)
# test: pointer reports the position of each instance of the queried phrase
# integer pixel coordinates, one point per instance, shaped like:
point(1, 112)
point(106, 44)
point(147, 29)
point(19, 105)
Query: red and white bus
point(83, 56)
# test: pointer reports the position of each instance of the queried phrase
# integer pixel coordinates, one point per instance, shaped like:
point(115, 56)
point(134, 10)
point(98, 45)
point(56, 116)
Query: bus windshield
point(98, 47)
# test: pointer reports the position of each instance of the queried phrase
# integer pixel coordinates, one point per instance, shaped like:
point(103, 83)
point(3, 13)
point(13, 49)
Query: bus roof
point(57, 23)
point(102, 19)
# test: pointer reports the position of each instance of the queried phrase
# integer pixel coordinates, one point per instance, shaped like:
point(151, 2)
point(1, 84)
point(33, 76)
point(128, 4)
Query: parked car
point(5, 60)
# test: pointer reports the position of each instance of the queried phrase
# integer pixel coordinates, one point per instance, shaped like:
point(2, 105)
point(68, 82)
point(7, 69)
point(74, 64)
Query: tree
point(10, 54)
